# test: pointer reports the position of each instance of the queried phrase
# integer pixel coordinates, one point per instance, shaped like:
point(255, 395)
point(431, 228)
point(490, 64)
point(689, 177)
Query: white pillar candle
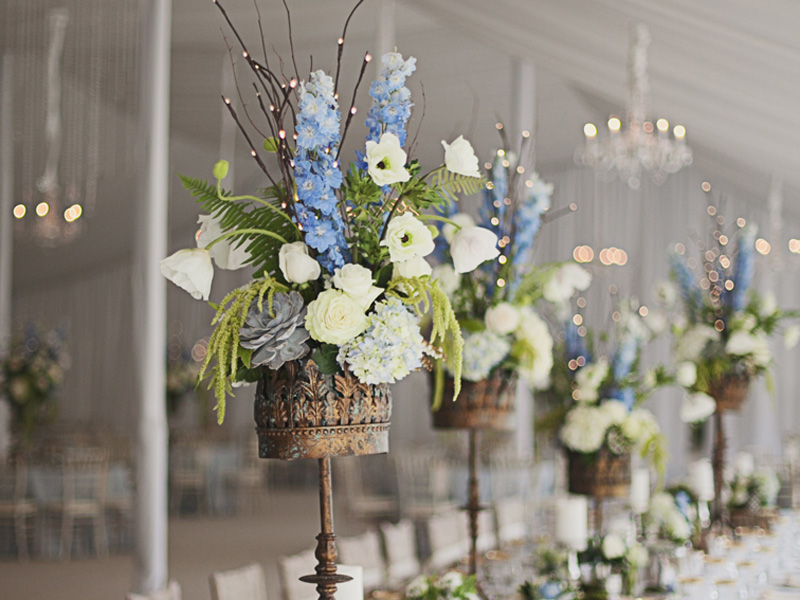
point(701, 479)
point(572, 522)
point(640, 490)
point(353, 589)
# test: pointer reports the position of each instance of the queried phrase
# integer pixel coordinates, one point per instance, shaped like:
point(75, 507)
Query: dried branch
point(341, 47)
point(413, 143)
point(351, 111)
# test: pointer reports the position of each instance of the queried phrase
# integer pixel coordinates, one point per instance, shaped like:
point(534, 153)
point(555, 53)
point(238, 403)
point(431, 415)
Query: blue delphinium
point(686, 281)
point(317, 172)
point(622, 365)
point(391, 100)
point(743, 269)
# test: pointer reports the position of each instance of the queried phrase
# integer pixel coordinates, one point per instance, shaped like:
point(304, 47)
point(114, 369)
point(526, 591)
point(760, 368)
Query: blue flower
point(391, 100)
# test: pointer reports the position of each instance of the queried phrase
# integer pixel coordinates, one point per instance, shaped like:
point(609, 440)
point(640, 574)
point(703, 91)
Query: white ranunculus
point(697, 407)
point(190, 269)
point(613, 547)
point(356, 281)
point(693, 342)
point(386, 160)
point(472, 246)
point(741, 343)
point(335, 318)
point(791, 336)
point(744, 464)
point(589, 378)
point(447, 277)
point(461, 219)
point(615, 411)
point(503, 318)
point(414, 267)
point(407, 237)
point(296, 265)
point(686, 374)
point(565, 281)
point(225, 255)
point(451, 580)
point(459, 157)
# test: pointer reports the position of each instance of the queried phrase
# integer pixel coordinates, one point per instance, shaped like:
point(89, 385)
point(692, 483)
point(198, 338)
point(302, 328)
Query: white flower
point(686, 374)
point(461, 219)
point(417, 587)
point(451, 580)
point(656, 321)
point(536, 345)
point(638, 556)
point(744, 322)
point(356, 281)
point(676, 525)
point(616, 412)
point(295, 263)
point(471, 246)
point(564, 282)
point(741, 343)
point(190, 269)
point(335, 318)
point(414, 267)
point(744, 464)
point(502, 319)
point(791, 336)
point(459, 157)
point(667, 293)
point(386, 160)
point(639, 426)
point(584, 429)
point(483, 350)
point(407, 237)
point(761, 352)
point(589, 378)
point(447, 277)
point(613, 547)
point(697, 407)
point(223, 252)
point(768, 304)
point(693, 342)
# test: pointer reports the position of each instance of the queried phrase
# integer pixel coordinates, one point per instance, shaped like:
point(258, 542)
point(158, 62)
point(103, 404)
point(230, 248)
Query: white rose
point(386, 160)
point(744, 464)
point(414, 267)
point(791, 336)
point(741, 343)
point(589, 378)
point(295, 263)
point(461, 219)
point(613, 546)
point(692, 343)
point(356, 281)
point(761, 352)
point(686, 374)
point(615, 411)
point(502, 319)
point(448, 279)
point(640, 425)
point(536, 361)
point(472, 246)
point(223, 252)
point(584, 429)
point(697, 407)
point(190, 269)
point(564, 282)
point(335, 318)
point(451, 580)
point(459, 157)
point(407, 237)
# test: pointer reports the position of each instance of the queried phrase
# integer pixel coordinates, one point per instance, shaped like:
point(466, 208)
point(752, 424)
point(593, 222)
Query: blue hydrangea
point(389, 349)
point(483, 351)
point(317, 173)
point(391, 100)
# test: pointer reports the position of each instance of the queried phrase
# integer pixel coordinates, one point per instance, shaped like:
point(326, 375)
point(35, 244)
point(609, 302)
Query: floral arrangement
point(552, 579)
point(598, 390)
point(611, 556)
point(752, 487)
point(338, 253)
point(724, 326)
point(31, 374)
point(450, 586)
point(669, 516)
point(493, 303)
point(182, 373)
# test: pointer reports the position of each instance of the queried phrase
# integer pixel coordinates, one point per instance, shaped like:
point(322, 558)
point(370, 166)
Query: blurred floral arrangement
point(670, 516)
point(31, 374)
point(614, 554)
point(450, 586)
point(596, 389)
point(338, 252)
point(752, 487)
point(723, 326)
point(494, 303)
point(552, 579)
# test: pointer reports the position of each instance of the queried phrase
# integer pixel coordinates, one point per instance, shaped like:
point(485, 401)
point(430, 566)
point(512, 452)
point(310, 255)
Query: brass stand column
point(598, 515)
point(326, 577)
point(718, 462)
point(473, 501)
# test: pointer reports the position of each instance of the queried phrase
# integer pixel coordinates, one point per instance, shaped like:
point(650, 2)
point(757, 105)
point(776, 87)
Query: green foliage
point(271, 144)
point(223, 345)
point(655, 449)
point(366, 215)
point(529, 290)
point(248, 213)
point(325, 357)
point(448, 184)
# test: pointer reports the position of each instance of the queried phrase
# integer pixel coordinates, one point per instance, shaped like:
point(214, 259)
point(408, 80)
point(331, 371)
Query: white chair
point(447, 538)
point(400, 542)
point(248, 480)
point(511, 524)
point(173, 592)
point(487, 532)
point(244, 583)
point(365, 551)
point(188, 473)
point(424, 484)
point(15, 505)
point(290, 569)
point(363, 503)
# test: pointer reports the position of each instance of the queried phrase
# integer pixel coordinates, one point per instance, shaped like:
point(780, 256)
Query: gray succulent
point(279, 338)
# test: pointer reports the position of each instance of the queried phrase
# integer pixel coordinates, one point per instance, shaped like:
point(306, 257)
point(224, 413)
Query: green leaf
point(449, 184)
point(325, 357)
point(271, 144)
point(245, 355)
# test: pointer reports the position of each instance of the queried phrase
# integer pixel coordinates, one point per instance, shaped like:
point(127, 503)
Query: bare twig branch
point(341, 46)
point(350, 113)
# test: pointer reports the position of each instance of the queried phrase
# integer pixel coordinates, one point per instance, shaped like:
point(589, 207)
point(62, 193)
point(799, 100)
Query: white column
point(386, 31)
point(6, 230)
point(150, 300)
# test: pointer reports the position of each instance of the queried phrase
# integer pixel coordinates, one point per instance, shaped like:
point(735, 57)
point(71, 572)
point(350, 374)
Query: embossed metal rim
point(324, 441)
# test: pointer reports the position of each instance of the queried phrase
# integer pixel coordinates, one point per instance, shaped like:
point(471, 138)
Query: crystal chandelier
point(635, 145)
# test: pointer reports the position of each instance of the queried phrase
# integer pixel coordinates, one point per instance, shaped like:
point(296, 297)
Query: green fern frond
point(223, 345)
point(250, 214)
point(450, 184)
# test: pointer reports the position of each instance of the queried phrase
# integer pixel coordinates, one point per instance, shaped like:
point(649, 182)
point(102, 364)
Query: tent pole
point(6, 230)
point(150, 300)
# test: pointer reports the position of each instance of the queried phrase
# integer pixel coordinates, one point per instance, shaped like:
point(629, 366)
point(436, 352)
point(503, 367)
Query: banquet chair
point(487, 531)
point(361, 502)
point(400, 543)
point(290, 569)
point(244, 583)
point(248, 480)
point(15, 505)
point(83, 477)
point(119, 509)
point(424, 484)
point(447, 539)
point(365, 551)
point(173, 592)
point(511, 525)
point(188, 474)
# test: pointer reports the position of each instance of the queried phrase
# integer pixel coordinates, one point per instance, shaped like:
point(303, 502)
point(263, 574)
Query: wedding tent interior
point(646, 147)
